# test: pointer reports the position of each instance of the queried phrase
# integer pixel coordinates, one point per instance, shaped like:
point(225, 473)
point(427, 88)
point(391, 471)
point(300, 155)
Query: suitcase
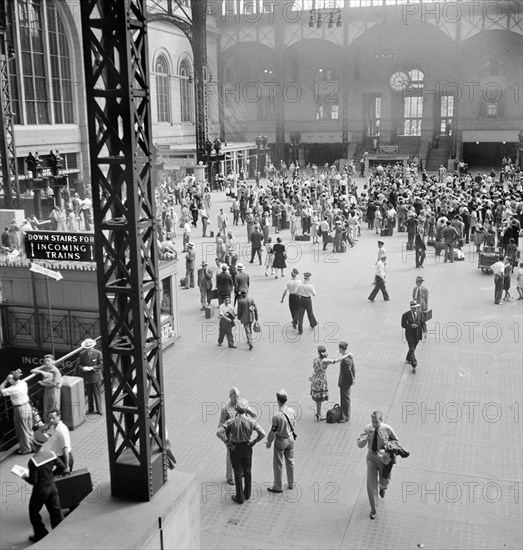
point(385, 232)
point(439, 246)
point(343, 247)
point(410, 246)
point(182, 281)
point(74, 488)
point(431, 242)
point(214, 294)
point(428, 315)
point(211, 234)
point(209, 311)
point(334, 414)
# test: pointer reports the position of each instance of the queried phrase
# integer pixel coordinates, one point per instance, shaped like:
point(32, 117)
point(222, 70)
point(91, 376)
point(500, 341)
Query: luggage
point(334, 414)
point(209, 311)
point(182, 281)
point(438, 246)
point(343, 247)
point(302, 238)
point(427, 315)
point(385, 232)
point(214, 294)
point(410, 246)
point(72, 489)
point(431, 242)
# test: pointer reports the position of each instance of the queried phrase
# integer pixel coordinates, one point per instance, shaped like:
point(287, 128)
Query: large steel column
point(7, 138)
point(120, 141)
point(199, 48)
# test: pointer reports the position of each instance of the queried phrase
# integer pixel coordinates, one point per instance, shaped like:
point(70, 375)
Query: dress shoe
point(238, 501)
point(343, 420)
point(290, 486)
point(34, 538)
point(372, 515)
point(234, 347)
point(273, 490)
point(250, 347)
point(382, 493)
point(370, 300)
point(230, 481)
point(219, 343)
point(98, 412)
point(386, 299)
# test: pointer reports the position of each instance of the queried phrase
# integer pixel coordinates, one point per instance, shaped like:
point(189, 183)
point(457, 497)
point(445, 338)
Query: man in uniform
point(347, 378)
point(236, 434)
point(227, 412)
point(305, 292)
point(412, 323)
point(283, 434)
point(375, 436)
point(379, 281)
point(90, 367)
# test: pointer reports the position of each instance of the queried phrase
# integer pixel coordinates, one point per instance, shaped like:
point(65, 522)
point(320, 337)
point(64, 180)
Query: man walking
point(205, 285)
point(241, 282)
point(449, 235)
point(347, 378)
point(498, 269)
point(379, 281)
point(90, 366)
point(226, 317)
point(236, 434)
point(375, 436)
point(411, 322)
point(247, 314)
point(294, 299)
point(420, 295)
point(305, 292)
point(283, 434)
point(420, 248)
point(224, 284)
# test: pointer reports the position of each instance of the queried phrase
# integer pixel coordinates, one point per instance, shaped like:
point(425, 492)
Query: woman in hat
point(319, 387)
point(279, 257)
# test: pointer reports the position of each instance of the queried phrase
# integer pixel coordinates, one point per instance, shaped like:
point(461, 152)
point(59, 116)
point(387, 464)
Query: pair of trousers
point(283, 450)
point(379, 284)
point(498, 288)
point(241, 460)
point(345, 403)
point(420, 257)
point(254, 252)
point(23, 421)
point(48, 496)
point(205, 296)
point(305, 306)
point(294, 306)
point(225, 331)
point(189, 278)
point(374, 473)
point(411, 354)
point(448, 252)
point(94, 396)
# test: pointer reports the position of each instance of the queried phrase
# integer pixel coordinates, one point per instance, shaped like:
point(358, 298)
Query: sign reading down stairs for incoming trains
point(59, 245)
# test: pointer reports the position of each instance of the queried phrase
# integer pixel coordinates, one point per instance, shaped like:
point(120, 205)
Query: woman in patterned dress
point(319, 388)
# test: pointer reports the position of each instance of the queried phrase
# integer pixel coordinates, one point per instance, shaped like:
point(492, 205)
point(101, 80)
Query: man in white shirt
point(379, 281)
point(498, 269)
point(17, 391)
point(60, 439)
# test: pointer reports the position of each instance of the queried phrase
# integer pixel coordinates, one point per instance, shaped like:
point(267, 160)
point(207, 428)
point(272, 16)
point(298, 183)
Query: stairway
point(438, 157)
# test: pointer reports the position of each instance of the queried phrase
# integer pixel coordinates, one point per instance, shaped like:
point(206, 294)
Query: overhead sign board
point(389, 149)
point(59, 245)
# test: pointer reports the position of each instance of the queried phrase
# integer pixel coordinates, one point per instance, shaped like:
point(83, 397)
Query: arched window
point(44, 65)
point(186, 103)
point(163, 106)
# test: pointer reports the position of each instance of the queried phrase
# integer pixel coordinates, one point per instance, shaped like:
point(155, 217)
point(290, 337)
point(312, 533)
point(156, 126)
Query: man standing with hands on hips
point(90, 367)
point(375, 436)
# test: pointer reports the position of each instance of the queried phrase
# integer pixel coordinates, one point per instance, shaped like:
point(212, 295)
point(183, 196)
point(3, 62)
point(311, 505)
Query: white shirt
point(60, 439)
point(498, 268)
point(18, 393)
point(380, 269)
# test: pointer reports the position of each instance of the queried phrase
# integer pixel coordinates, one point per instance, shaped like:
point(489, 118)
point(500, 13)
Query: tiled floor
point(459, 415)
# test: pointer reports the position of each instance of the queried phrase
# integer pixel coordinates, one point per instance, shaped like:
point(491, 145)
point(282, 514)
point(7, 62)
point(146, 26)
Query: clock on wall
point(399, 80)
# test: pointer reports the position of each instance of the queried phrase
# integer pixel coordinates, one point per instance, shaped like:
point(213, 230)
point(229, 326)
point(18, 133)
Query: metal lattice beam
point(121, 149)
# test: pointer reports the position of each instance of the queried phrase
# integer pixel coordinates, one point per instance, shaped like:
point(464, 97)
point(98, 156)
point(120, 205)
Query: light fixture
point(317, 14)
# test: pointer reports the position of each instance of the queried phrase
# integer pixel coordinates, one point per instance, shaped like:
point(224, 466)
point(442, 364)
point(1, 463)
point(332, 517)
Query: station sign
point(60, 246)
point(389, 149)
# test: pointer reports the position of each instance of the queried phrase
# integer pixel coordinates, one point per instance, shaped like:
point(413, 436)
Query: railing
point(7, 432)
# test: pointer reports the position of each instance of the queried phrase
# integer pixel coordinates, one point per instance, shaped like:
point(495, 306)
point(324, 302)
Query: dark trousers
point(420, 256)
point(498, 288)
point(254, 252)
point(48, 496)
point(189, 278)
point(225, 331)
point(411, 354)
point(325, 239)
point(241, 460)
point(448, 252)
point(94, 397)
point(379, 284)
point(345, 403)
point(305, 306)
point(294, 306)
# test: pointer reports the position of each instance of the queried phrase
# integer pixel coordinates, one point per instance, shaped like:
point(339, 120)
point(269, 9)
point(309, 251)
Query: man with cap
point(42, 467)
point(294, 300)
point(379, 280)
point(224, 283)
point(236, 433)
point(241, 282)
point(226, 315)
point(190, 259)
point(247, 314)
point(283, 434)
point(347, 378)
point(205, 285)
point(420, 295)
point(305, 292)
point(382, 253)
point(411, 321)
point(90, 367)
point(228, 411)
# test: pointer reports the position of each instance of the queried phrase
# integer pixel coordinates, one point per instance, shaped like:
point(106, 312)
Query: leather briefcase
point(72, 489)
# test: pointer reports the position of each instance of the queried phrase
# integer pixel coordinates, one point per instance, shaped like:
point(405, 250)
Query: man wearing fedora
point(420, 295)
point(236, 434)
point(411, 321)
point(247, 315)
point(241, 282)
point(190, 259)
point(205, 285)
point(90, 367)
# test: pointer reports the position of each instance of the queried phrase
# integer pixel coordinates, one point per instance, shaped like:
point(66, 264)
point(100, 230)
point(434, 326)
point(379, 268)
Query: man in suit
point(224, 284)
point(241, 282)
point(411, 321)
point(90, 367)
point(247, 314)
point(256, 239)
point(420, 295)
point(190, 258)
point(205, 285)
point(420, 248)
point(346, 379)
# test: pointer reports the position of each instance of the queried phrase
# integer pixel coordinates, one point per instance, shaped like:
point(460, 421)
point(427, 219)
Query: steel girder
point(120, 141)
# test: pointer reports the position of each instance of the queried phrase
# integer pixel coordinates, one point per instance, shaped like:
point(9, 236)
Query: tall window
point(162, 90)
point(413, 104)
point(447, 114)
point(44, 65)
point(186, 103)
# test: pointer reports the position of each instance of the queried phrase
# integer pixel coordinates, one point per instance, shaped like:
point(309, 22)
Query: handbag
point(334, 414)
point(256, 327)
